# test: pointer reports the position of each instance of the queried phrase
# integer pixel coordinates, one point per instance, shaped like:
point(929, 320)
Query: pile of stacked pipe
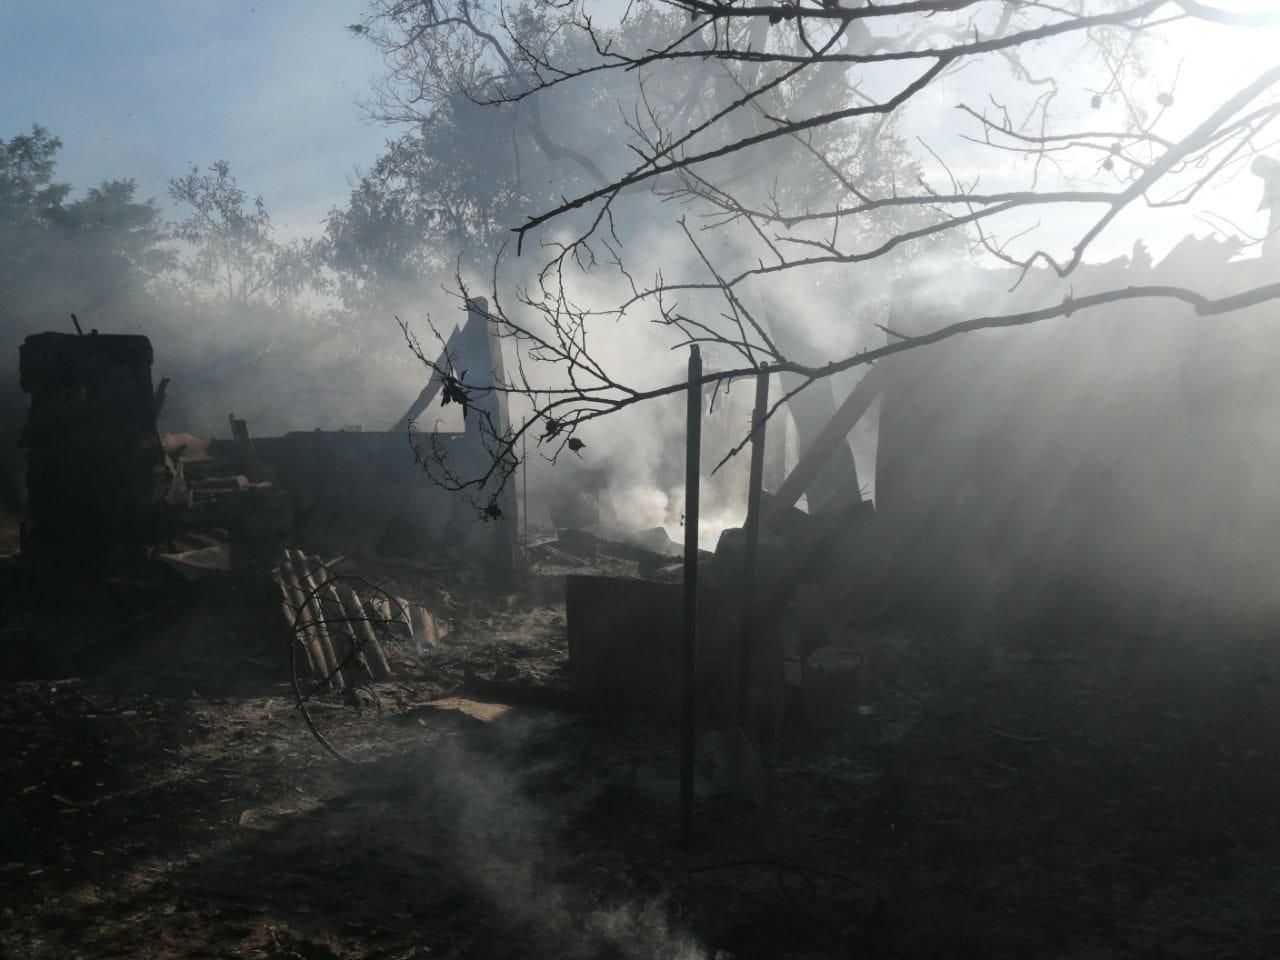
point(338, 631)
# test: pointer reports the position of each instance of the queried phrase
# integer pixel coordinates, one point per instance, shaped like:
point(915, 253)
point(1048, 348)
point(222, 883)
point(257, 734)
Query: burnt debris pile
point(843, 725)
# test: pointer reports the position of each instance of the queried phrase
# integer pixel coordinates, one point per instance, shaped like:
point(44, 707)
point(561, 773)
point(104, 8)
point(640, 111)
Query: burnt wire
point(805, 873)
point(354, 650)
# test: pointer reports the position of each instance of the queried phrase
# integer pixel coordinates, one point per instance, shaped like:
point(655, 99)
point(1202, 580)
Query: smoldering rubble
point(283, 696)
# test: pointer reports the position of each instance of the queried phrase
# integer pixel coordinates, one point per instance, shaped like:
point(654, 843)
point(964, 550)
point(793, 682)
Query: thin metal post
point(751, 529)
point(524, 492)
point(688, 659)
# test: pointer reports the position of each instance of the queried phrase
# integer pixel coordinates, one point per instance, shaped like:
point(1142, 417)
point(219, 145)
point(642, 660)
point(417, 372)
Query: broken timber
point(688, 653)
point(829, 438)
point(759, 424)
point(476, 348)
point(332, 626)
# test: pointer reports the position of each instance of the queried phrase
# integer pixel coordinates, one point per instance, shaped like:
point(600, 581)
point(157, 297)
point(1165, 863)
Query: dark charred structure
point(1115, 466)
point(362, 493)
point(839, 677)
point(96, 471)
point(834, 536)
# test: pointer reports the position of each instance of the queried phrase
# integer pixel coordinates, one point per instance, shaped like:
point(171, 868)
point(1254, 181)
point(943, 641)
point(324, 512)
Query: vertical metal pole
point(524, 491)
point(751, 530)
point(688, 659)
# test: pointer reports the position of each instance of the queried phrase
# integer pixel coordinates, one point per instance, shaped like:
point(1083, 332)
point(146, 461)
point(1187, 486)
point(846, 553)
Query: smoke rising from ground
point(507, 848)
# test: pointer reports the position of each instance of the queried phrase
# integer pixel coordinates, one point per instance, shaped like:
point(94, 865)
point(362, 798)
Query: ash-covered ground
point(993, 796)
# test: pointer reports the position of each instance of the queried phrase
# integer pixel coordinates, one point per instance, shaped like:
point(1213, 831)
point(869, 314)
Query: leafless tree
point(769, 139)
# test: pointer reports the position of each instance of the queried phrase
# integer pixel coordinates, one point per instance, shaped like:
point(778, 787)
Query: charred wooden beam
point(830, 437)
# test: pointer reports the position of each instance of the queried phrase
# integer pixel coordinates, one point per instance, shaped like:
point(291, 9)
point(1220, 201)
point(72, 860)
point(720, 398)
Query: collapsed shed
point(101, 481)
point(1116, 463)
point(364, 492)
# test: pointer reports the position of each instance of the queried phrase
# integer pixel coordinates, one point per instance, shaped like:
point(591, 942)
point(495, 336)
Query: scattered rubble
point(505, 713)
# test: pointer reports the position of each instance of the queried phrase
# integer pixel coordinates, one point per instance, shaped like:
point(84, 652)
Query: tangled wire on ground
point(336, 631)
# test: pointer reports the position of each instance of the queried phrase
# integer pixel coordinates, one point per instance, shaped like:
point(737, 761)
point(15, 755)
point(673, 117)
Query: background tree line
point(276, 330)
point(736, 176)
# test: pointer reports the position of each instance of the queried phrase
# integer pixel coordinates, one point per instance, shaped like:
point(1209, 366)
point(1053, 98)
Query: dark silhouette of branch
point(775, 129)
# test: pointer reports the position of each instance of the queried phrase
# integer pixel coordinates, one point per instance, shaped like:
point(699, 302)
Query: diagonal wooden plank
point(829, 439)
point(431, 389)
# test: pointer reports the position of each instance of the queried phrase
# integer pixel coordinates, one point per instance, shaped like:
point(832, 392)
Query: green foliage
point(234, 252)
point(129, 232)
point(479, 157)
point(93, 254)
point(450, 189)
point(28, 198)
point(254, 347)
point(27, 189)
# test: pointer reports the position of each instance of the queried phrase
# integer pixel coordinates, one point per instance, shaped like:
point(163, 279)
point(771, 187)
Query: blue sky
point(145, 89)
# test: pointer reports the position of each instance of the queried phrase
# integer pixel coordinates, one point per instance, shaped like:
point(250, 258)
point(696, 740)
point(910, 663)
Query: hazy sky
point(144, 89)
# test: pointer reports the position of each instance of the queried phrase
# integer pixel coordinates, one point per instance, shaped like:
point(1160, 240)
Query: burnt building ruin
point(96, 470)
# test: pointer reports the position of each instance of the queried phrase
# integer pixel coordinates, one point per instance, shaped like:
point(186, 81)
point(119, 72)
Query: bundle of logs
point(339, 634)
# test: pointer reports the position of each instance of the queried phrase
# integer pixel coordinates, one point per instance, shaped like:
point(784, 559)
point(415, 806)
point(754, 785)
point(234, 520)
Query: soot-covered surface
point(995, 797)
